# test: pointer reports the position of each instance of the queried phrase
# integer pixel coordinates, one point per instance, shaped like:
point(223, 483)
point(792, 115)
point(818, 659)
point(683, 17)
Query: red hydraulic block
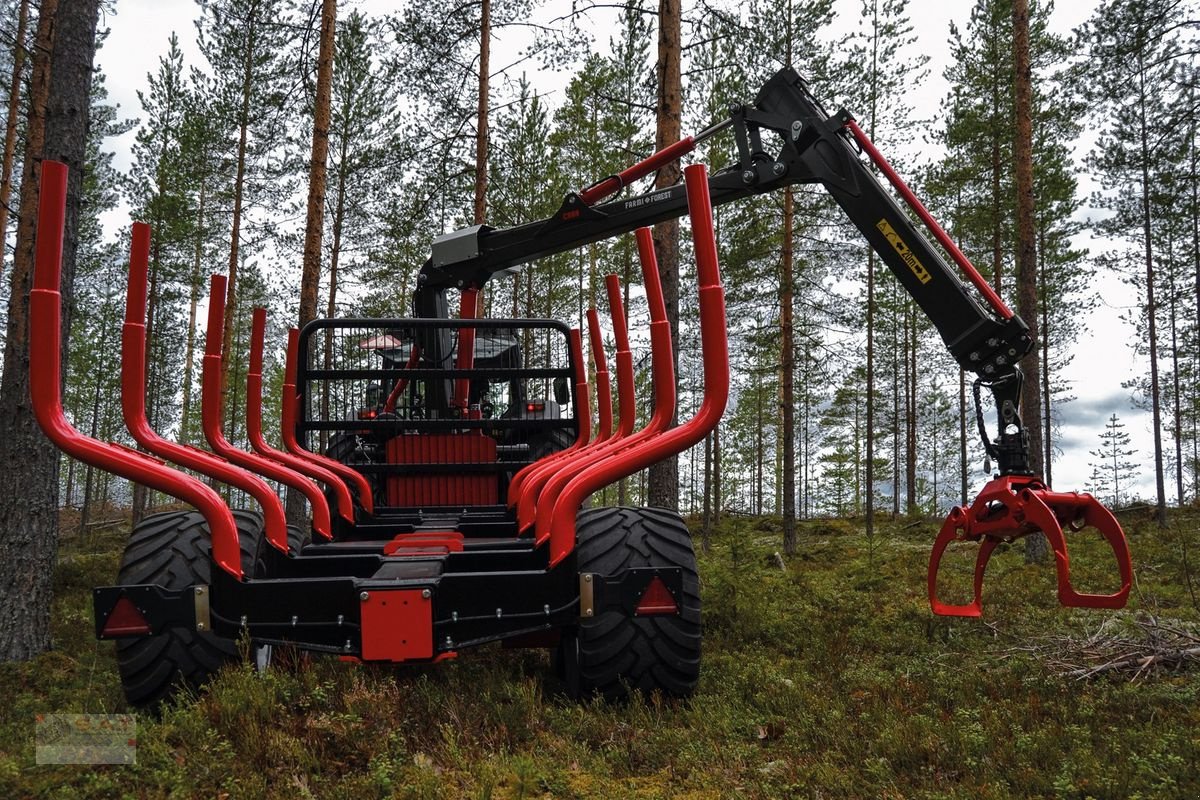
point(45, 381)
point(1011, 507)
point(290, 406)
point(212, 386)
point(133, 402)
point(715, 349)
point(663, 369)
point(254, 430)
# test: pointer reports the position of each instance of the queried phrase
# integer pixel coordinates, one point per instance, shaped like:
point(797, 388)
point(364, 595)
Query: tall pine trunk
point(56, 129)
point(664, 476)
point(787, 372)
point(10, 128)
point(1036, 546)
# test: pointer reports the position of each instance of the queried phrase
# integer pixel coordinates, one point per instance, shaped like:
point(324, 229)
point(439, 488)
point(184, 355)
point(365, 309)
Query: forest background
point(215, 154)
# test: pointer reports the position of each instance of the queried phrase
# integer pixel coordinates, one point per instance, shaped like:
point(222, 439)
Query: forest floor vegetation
point(827, 677)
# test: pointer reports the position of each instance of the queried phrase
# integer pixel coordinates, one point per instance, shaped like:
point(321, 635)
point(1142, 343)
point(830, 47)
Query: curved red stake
point(288, 414)
point(604, 412)
point(133, 402)
point(45, 385)
point(254, 429)
point(582, 436)
point(533, 476)
point(541, 508)
point(1011, 507)
point(714, 345)
point(211, 387)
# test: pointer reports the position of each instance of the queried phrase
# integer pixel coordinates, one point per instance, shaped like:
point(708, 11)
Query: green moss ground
point(829, 679)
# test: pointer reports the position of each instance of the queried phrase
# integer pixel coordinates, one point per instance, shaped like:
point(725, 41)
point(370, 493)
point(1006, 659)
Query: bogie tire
point(172, 550)
point(344, 448)
point(614, 654)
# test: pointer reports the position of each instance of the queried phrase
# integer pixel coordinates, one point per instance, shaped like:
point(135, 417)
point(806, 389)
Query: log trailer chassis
point(446, 522)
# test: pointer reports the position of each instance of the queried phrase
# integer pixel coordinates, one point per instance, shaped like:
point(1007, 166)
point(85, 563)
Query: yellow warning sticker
point(906, 255)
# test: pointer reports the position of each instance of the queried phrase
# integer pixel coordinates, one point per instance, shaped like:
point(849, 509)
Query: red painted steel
point(212, 386)
point(918, 207)
point(133, 402)
point(626, 402)
point(516, 486)
point(715, 352)
point(288, 414)
point(45, 385)
point(541, 508)
point(1010, 507)
point(440, 488)
point(614, 184)
point(414, 357)
point(254, 429)
point(604, 411)
point(468, 302)
point(397, 625)
point(546, 468)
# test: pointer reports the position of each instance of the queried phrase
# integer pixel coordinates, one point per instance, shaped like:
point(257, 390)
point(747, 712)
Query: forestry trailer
point(447, 509)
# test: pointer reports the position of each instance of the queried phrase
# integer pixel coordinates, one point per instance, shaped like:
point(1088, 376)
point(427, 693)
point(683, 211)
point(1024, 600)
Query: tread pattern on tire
point(616, 653)
point(172, 550)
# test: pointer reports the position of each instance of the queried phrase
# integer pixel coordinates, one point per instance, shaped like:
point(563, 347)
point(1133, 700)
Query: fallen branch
point(1142, 663)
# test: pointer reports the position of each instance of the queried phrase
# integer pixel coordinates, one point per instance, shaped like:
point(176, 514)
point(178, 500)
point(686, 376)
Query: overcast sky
point(138, 36)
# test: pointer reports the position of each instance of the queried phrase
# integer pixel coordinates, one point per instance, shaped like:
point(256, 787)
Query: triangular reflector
point(125, 620)
point(657, 599)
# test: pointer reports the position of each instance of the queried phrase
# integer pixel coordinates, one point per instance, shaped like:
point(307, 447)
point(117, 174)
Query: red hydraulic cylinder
point(715, 349)
point(468, 309)
point(919, 209)
point(212, 386)
point(542, 507)
point(45, 382)
point(254, 430)
point(133, 402)
point(288, 412)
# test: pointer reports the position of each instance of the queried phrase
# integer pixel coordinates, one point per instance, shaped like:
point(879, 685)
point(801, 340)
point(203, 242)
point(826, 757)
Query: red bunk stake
point(211, 389)
point(466, 348)
point(543, 470)
point(254, 430)
point(45, 380)
point(288, 414)
point(663, 369)
point(603, 387)
point(133, 402)
point(715, 349)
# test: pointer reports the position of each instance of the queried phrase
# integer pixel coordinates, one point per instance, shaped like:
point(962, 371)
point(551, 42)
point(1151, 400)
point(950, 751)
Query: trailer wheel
point(615, 654)
point(172, 549)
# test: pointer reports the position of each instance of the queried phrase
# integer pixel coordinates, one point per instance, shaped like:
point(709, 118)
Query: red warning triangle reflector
point(125, 620)
point(656, 599)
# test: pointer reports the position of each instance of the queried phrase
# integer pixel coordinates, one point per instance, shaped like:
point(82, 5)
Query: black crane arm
point(809, 146)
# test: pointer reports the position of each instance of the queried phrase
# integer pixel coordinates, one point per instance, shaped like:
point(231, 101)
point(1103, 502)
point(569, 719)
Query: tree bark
point(56, 128)
point(310, 275)
point(787, 370)
point(1037, 549)
point(10, 130)
point(664, 476)
point(481, 125)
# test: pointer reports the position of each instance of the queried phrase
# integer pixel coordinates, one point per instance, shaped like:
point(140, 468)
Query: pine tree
point(1113, 467)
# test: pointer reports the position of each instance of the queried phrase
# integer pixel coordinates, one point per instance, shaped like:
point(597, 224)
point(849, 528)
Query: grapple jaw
point(1012, 506)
